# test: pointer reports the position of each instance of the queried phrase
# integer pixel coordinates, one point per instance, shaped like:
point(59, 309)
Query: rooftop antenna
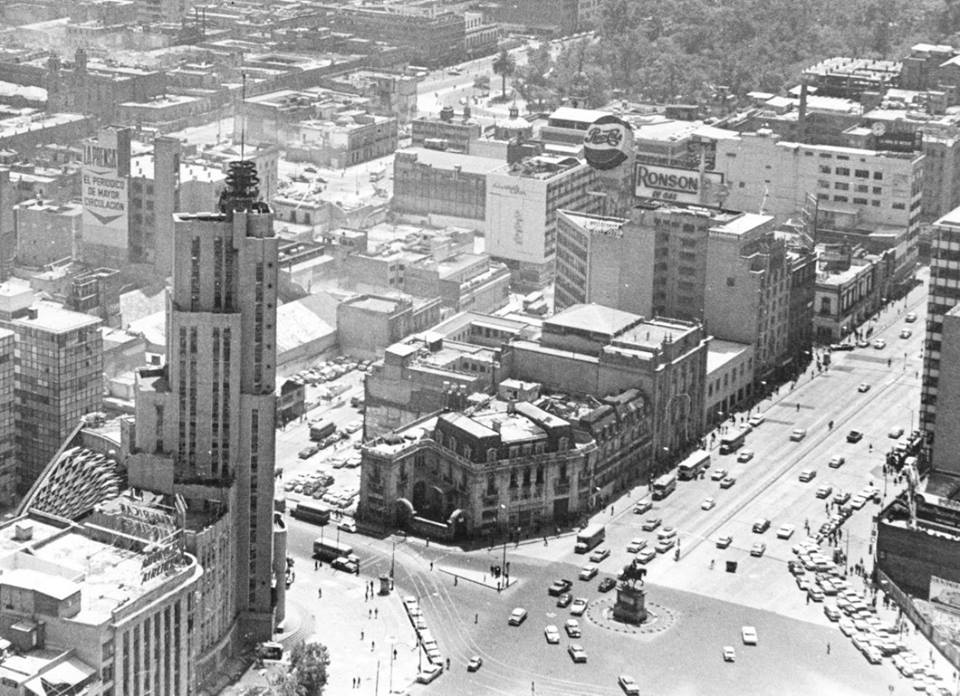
point(243, 112)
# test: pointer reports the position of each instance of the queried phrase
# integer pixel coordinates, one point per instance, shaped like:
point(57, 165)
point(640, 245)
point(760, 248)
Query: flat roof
point(56, 320)
point(375, 304)
point(743, 223)
point(51, 585)
point(720, 352)
point(450, 160)
point(569, 113)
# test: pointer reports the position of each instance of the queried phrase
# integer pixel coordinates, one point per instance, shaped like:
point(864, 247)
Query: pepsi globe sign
point(608, 142)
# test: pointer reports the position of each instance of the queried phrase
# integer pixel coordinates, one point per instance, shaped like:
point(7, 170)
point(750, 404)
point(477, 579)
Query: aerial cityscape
point(548, 347)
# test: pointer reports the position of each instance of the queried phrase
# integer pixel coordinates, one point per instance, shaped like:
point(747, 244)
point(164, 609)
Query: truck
point(321, 429)
point(590, 537)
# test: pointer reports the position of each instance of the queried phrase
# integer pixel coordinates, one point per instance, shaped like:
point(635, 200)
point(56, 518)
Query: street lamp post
point(393, 557)
point(503, 561)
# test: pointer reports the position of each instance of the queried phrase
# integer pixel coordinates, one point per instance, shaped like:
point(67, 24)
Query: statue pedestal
point(631, 603)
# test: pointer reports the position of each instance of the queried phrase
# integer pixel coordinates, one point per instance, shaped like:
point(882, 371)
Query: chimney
point(495, 425)
point(467, 113)
point(446, 114)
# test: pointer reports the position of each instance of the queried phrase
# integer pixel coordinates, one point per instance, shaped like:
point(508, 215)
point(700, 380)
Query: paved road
point(707, 607)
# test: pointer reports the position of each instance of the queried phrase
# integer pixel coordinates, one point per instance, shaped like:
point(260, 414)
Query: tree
point(504, 66)
point(308, 664)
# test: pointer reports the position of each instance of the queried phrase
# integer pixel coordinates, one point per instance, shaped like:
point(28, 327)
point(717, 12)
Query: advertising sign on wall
point(608, 143)
point(674, 183)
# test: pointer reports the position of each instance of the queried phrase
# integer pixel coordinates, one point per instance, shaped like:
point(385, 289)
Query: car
point(476, 662)
point(879, 344)
point(353, 427)
point(724, 541)
point(911, 317)
point(642, 507)
point(841, 498)
point(895, 433)
point(729, 654)
point(745, 455)
point(786, 531)
point(629, 685)
point(578, 607)
point(517, 616)
point(807, 475)
point(815, 594)
point(607, 584)
point(758, 549)
point(577, 653)
point(708, 504)
point(563, 601)
point(854, 436)
point(761, 525)
point(552, 634)
point(651, 524)
point(559, 587)
point(636, 545)
point(873, 655)
point(599, 555)
point(863, 343)
point(664, 545)
point(846, 625)
point(857, 502)
point(757, 419)
point(841, 346)
point(836, 461)
point(863, 387)
point(454, 71)
point(717, 474)
point(429, 673)
point(749, 635)
point(572, 627)
point(347, 526)
point(905, 333)
point(308, 452)
point(646, 555)
point(798, 434)
point(588, 572)
point(727, 482)
point(824, 491)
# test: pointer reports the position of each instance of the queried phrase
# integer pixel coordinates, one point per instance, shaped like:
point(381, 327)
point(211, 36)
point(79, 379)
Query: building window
point(824, 169)
point(841, 186)
point(731, 282)
point(843, 171)
point(878, 176)
point(861, 174)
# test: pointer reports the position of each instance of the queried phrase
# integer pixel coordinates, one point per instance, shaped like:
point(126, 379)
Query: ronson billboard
point(674, 184)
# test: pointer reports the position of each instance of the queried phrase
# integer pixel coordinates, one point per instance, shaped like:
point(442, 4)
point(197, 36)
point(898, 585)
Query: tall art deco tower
point(205, 422)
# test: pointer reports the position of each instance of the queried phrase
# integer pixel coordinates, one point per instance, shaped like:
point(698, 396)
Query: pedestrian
point(476, 618)
point(431, 565)
point(394, 653)
point(369, 613)
point(808, 599)
point(316, 564)
point(376, 613)
point(448, 664)
point(455, 578)
point(361, 634)
point(319, 593)
point(798, 407)
point(828, 647)
point(373, 645)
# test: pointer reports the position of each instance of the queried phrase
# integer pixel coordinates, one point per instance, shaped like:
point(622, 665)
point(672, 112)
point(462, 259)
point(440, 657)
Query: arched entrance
point(404, 512)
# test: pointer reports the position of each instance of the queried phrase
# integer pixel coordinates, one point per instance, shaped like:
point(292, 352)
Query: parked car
point(517, 616)
point(474, 663)
point(863, 387)
point(895, 433)
point(708, 504)
point(749, 635)
point(717, 474)
point(786, 531)
point(607, 584)
point(757, 419)
point(807, 475)
point(836, 461)
point(552, 634)
point(879, 344)
point(824, 491)
point(572, 627)
point(578, 607)
point(724, 541)
point(745, 456)
point(629, 685)
point(651, 524)
point(854, 436)
point(727, 482)
point(564, 600)
point(911, 317)
point(758, 549)
point(636, 545)
point(577, 653)
point(599, 555)
point(642, 507)
point(559, 587)
point(588, 572)
point(798, 434)
point(905, 333)
point(729, 654)
point(761, 525)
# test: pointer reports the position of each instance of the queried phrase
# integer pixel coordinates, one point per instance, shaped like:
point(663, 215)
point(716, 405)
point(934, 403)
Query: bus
point(692, 466)
point(311, 512)
point(731, 442)
point(321, 429)
point(590, 537)
point(329, 549)
point(664, 486)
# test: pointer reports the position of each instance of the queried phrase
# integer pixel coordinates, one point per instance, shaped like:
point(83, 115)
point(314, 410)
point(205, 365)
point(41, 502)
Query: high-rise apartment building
point(944, 295)
point(205, 421)
point(8, 440)
point(59, 378)
point(724, 268)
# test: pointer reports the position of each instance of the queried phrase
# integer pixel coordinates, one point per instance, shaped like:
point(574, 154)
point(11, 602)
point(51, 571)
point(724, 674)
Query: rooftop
point(568, 113)
point(449, 160)
point(720, 352)
point(56, 320)
point(593, 318)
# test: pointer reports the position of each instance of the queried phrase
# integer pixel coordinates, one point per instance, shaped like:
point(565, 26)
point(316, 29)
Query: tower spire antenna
point(243, 113)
